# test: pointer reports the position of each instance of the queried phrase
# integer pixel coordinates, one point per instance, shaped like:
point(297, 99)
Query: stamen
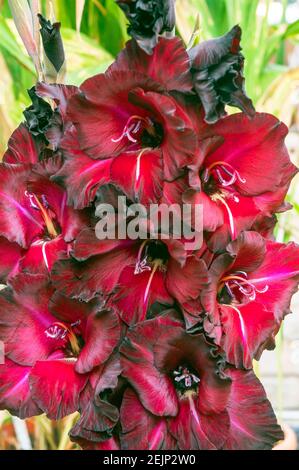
point(226, 182)
point(183, 374)
point(43, 245)
point(141, 264)
point(137, 177)
point(242, 324)
point(230, 215)
point(228, 169)
point(246, 287)
point(146, 293)
point(131, 127)
point(36, 204)
point(45, 255)
point(31, 200)
point(60, 331)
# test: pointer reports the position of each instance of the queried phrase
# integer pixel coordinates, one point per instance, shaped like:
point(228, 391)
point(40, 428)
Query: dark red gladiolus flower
point(44, 226)
point(217, 68)
point(184, 399)
point(249, 295)
point(245, 175)
point(136, 273)
point(130, 118)
point(50, 353)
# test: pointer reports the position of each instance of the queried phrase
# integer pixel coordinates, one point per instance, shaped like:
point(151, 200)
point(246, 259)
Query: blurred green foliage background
point(94, 31)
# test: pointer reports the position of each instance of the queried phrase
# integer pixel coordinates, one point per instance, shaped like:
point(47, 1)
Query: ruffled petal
point(167, 65)
point(253, 425)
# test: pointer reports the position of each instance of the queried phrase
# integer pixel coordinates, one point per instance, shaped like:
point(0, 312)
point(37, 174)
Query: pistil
point(246, 287)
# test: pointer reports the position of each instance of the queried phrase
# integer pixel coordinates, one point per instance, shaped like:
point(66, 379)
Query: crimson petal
point(245, 329)
point(98, 115)
point(253, 423)
point(15, 393)
point(21, 147)
point(140, 429)
point(167, 65)
point(81, 174)
point(25, 319)
point(101, 336)
point(56, 387)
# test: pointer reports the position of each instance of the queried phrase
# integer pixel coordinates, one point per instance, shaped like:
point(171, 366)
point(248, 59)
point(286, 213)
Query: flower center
point(223, 173)
point(143, 131)
point(152, 256)
point(185, 380)
point(41, 204)
point(234, 287)
point(64, 335)
point(152, 253)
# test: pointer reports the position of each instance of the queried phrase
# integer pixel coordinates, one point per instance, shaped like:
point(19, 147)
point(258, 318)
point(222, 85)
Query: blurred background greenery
point(93, 32)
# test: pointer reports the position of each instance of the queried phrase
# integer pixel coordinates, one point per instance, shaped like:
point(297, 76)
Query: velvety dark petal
point(168, 64)
point(81, 174)
point(21, 147)
point(38, 117)
point(148, 20)
point(98, 275)
point(211, 52)
point(98, 415)
point(140, 429)
point(10, 255)
point(209, 299)
point(98, 115)
point(58, 92)
point(253, 425)
point(25, 319)
point(56, 387)
point(248, 251)
point(14, 390)
point(70, 310)
point(101, 336)
point(87, 245)
point(155, 389)
point(178, 279)
point(217, 67)
point(86, 444)
point(96, 418)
